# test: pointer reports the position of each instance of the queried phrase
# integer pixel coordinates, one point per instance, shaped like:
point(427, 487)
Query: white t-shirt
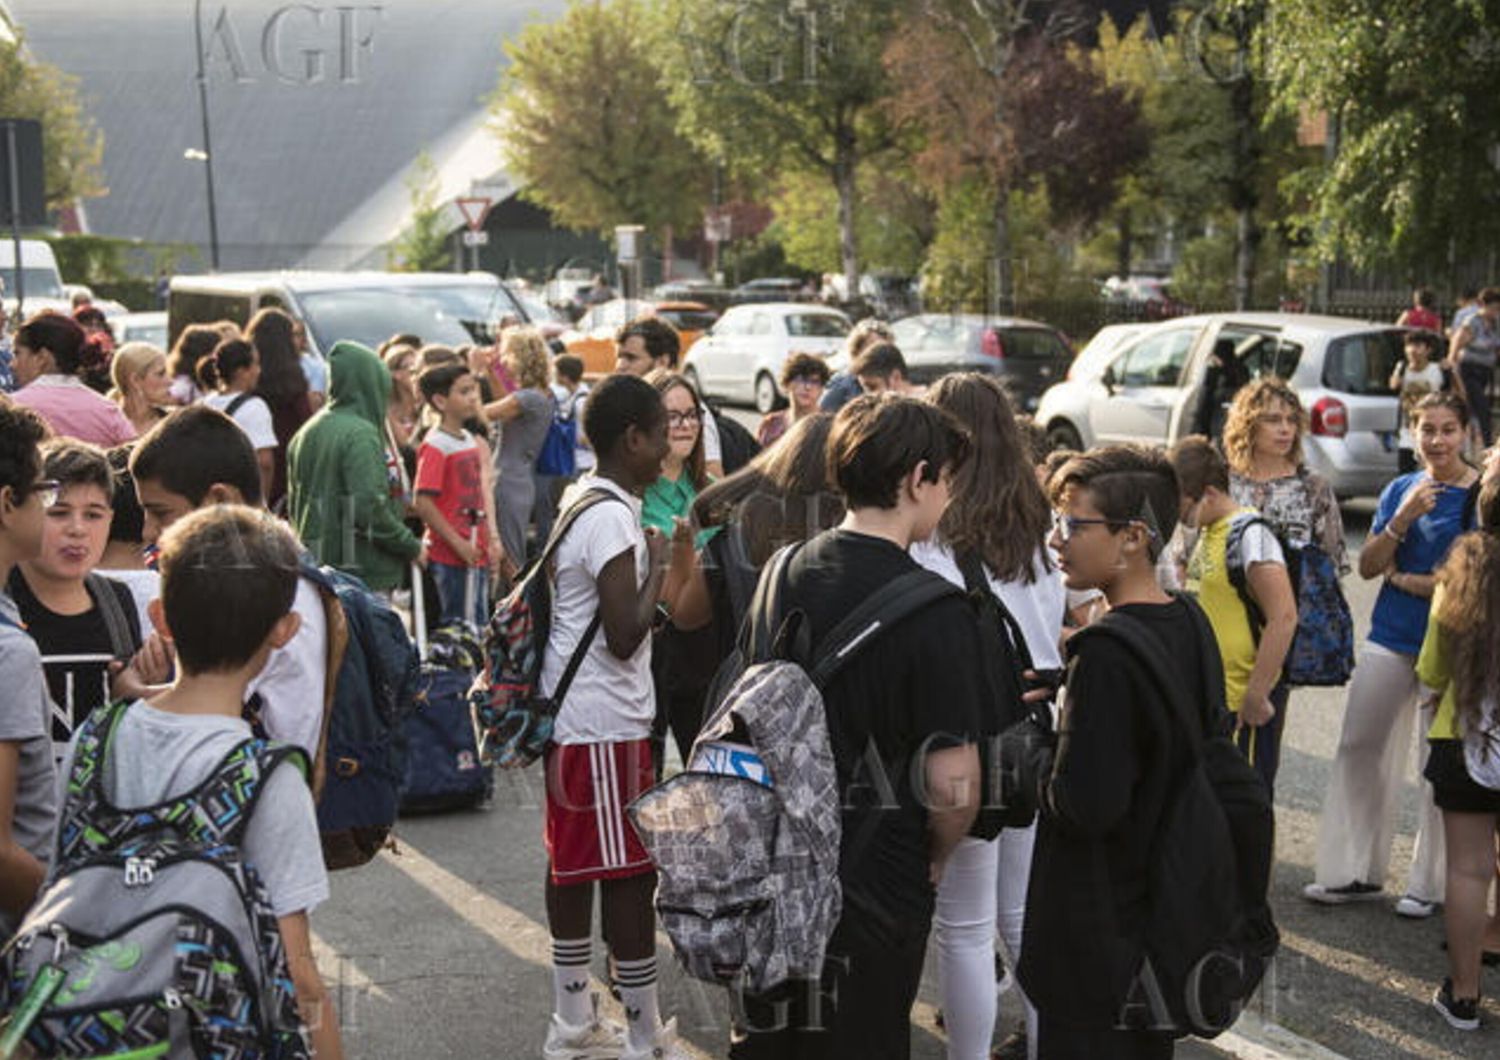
point(253, 416)
point(144, 586)
point(292, 684)
point(713, 449)
point(610, 699)
point(156, 756)
point(1415, 385)
point(1037, 607)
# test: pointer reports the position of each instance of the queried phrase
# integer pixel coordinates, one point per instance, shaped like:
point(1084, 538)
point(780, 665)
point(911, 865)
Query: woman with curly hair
point(524, 416)
point(1419, 517)
point(803, 377)
point(1460, 662)
point(283, 385)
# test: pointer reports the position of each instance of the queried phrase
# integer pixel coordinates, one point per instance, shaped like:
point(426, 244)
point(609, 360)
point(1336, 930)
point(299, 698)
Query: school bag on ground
point(1210, 933)
point(515, 721)
point(374, 669)
point(1322, 650)
point(443, 766)
point(746, 842)
point(153, 937)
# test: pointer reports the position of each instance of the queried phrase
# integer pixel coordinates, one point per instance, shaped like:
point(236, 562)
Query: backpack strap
point(978, 585)
point(239, 400)
point(1239, 574)
point(116, 624)
point(884, 608)
point(765, 622)
point(337, 635)
point(221, 806)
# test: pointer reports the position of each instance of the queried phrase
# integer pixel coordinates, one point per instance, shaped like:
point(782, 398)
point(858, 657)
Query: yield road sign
point(475, 209)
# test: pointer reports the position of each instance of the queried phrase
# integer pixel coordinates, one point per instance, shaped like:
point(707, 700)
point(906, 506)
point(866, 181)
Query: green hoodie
point(343, 498)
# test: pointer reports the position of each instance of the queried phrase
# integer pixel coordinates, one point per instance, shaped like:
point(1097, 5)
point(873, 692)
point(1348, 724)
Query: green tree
point(1409, 91)
point(893, 226)
point(72, 146)
point(783, 85)
point(424, 245)
point(588, 127)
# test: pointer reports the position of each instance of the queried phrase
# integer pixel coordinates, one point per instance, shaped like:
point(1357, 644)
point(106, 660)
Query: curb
point(1255, 1038)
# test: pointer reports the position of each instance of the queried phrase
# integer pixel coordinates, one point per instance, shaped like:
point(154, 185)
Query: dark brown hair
point(878, 441)
point(196, 342)
point(998, 509)
point(1199, 465)
point(58, 335)
point(74, 463)
point(1127, 483)
point(665, 382)
point(804, 366)
point(281, 380)
point(219, 368)
point(883, 359)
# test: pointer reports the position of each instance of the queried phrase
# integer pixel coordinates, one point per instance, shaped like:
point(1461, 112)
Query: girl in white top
point(231, 374)
point(998, 510)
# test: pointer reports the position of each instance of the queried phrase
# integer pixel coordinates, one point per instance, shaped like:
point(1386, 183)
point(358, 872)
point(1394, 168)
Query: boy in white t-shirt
point(1414, 378)
point(608, 575)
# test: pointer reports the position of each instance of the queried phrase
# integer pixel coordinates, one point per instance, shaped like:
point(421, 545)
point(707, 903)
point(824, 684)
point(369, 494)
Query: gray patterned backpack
point(746, 841)
point(153, 938)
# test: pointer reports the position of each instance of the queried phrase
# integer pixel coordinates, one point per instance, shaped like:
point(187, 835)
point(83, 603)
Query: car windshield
point(539, 311)
point(1362, 364)
point(817, 326)
point(449, 316)
point(40, 283)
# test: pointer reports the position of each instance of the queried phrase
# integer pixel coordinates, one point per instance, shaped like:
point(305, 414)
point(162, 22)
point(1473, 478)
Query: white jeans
point(1358, 824)
point(983, 886)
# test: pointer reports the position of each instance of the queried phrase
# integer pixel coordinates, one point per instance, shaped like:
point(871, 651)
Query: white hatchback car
point(740, 359)
point(1147, 387)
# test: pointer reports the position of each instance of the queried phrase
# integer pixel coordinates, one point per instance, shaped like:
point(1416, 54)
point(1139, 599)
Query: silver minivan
point(1147, 387)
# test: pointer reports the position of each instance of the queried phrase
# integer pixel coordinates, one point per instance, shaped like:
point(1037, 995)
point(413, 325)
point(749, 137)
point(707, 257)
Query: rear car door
point(1032, 360)
point(1357, 373)
point(1140, 392)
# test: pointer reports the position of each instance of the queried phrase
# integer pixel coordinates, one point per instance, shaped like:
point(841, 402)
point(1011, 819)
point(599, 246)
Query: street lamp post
point(207, 152)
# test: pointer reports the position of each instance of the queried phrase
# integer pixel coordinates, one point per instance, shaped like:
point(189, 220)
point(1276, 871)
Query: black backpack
point(1210, 934)
point(737, 445)
point(1005, 659)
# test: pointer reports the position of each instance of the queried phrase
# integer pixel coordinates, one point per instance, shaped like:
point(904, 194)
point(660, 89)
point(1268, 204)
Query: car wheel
point(1063, 435)
point(691, 375)
point(767, 399)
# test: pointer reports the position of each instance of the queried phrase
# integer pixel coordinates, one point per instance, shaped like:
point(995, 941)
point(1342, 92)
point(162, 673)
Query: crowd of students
point(396, 472)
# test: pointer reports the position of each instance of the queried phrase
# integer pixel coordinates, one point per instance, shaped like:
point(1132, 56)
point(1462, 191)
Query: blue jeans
point(452, 583)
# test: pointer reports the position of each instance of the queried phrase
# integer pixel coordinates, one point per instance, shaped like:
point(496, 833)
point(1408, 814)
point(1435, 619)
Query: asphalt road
point(441, 950)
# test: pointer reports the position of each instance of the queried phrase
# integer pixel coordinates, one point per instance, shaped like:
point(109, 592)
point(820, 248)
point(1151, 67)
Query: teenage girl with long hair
point(283, 385)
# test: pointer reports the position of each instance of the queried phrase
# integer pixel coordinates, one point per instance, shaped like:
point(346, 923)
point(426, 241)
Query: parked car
point(706, 292)
point(740, 359)
point(550, 321)
point(769, 289)
point(593, 337)
point(1152, 294)
point(1147, 388)
point(141, 327)
point(1027, 356)
point(43, 283)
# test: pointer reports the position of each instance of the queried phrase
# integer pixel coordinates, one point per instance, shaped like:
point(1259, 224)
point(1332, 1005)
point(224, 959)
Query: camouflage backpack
point(153, 937)
point(746, 841)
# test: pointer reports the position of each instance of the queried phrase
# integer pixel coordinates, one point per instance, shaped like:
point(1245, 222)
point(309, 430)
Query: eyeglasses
point(682, 419)
point(1065, 526)
point(47, 489)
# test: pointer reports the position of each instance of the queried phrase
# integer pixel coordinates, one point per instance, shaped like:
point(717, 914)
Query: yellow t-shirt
point(1433, 671)
point(1208, 580)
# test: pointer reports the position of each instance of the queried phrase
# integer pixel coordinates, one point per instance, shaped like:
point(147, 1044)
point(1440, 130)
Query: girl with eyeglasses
point(804, 377)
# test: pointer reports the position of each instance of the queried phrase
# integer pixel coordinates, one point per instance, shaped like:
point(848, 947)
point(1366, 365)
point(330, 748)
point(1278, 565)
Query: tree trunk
point(1002, 286)
point(845, 165)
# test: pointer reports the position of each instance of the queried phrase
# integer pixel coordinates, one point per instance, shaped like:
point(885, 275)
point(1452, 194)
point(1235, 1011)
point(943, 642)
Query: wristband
point(1390, 531)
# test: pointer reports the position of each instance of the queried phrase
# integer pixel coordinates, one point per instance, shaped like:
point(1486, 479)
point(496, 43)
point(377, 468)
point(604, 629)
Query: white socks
point(570, 981)
point(637, 982)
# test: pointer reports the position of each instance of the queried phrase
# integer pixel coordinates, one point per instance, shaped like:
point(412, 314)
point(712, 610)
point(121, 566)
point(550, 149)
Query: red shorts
point(589, 785)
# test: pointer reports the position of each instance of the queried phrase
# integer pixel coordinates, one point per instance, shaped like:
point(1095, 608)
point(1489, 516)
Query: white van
point(43, 281)
point(450, 309)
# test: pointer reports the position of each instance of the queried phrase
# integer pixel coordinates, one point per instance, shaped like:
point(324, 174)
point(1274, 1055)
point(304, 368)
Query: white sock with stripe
point(637, 982)
point(570, 981)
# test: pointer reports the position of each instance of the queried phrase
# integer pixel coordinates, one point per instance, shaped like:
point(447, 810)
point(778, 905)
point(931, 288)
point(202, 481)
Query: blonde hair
point(131, 361)
point(525, 354)
point(1253, 399)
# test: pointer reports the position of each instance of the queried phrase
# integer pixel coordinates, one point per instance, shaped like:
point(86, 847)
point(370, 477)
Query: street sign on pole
point(476, 239)
point(475, 209)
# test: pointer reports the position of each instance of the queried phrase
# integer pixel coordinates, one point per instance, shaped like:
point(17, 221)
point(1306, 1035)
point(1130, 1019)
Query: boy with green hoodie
point(344, 494)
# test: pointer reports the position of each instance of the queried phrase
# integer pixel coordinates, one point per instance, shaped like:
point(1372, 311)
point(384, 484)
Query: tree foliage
point(1410, 91)
point(72, 145)
point(894, 225)
point(424, 246)
point(588, 127)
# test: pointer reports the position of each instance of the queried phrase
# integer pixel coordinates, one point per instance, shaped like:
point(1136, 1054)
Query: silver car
point(1148, 387)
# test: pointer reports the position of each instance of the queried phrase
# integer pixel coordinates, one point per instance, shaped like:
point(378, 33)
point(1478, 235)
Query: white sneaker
point(666, 1046)
point(598, 1039)
point(1415, 908)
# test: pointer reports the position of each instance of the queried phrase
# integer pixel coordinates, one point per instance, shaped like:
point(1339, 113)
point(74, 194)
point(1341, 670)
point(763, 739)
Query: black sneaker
point(1461, 1013)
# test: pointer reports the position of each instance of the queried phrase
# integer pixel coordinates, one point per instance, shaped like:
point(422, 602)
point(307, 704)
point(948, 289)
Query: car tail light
point(1329, 418)
point(991, 346)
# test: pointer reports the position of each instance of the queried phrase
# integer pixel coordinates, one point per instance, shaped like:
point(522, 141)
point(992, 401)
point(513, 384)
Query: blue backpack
point(364, 743)
point(1322, 651)
point(559, 452)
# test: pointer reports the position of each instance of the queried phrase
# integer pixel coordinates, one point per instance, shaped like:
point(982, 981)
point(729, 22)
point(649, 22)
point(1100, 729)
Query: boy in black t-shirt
point(901, 715)
point(1117, 752)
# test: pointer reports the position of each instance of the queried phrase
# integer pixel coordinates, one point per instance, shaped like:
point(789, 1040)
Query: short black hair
point(439, 379)
point(129, 522)
point(194, 448)
point(1126, 483)
point(1430, 339)
point(229, 357)
point(877, 440)
point(618, 403)
point(884, 359)
point(21, 434)
point(661, 338)
point(74, 463)
point(228, 575)
point(1424, 297)
point(568, 367)
point(1199, 465)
